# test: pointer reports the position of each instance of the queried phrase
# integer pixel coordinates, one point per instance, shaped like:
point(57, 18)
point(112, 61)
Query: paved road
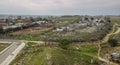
point(8, 52)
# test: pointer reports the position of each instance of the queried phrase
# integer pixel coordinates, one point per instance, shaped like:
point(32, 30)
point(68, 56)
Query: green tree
point(64, 43)
point(32, 19)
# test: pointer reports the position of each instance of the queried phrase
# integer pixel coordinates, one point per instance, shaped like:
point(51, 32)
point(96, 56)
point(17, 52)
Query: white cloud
point(57, 6)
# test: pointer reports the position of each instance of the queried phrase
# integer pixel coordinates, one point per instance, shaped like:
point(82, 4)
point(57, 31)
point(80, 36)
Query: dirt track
point(106, 38)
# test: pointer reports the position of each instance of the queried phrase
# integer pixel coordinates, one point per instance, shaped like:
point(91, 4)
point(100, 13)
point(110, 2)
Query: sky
point(60, 7)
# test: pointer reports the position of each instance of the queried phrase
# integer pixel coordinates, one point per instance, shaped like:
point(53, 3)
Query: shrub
point(112, 42)
point(64, 43)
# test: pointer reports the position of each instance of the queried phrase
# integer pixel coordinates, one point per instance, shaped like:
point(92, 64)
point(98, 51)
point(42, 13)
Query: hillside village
point(86, 24)
point(86, 21)
point(43, 37)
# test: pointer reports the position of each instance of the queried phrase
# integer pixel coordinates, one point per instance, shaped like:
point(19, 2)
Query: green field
point(83, 55)
point(115, 20)
point(65, 19)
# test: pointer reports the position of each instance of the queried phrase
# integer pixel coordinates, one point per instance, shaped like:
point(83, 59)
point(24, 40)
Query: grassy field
point(3, 46)
point(115, 20)
point(32, 31)
point(83, 55)
point(65, 19)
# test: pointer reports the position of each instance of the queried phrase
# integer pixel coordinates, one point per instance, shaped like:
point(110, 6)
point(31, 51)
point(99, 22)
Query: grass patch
point(3, 46)
point(63, 57)
point(30, 44)
point(57, 56)
point(115, 20)
point(89, 49)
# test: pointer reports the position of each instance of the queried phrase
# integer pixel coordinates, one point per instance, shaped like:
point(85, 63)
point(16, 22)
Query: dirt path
point(48, 56)
point(106, 38)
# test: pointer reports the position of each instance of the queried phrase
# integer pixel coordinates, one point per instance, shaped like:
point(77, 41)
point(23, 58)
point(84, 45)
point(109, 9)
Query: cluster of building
point(64, 28)
point(18, 23)
point(95, 22)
